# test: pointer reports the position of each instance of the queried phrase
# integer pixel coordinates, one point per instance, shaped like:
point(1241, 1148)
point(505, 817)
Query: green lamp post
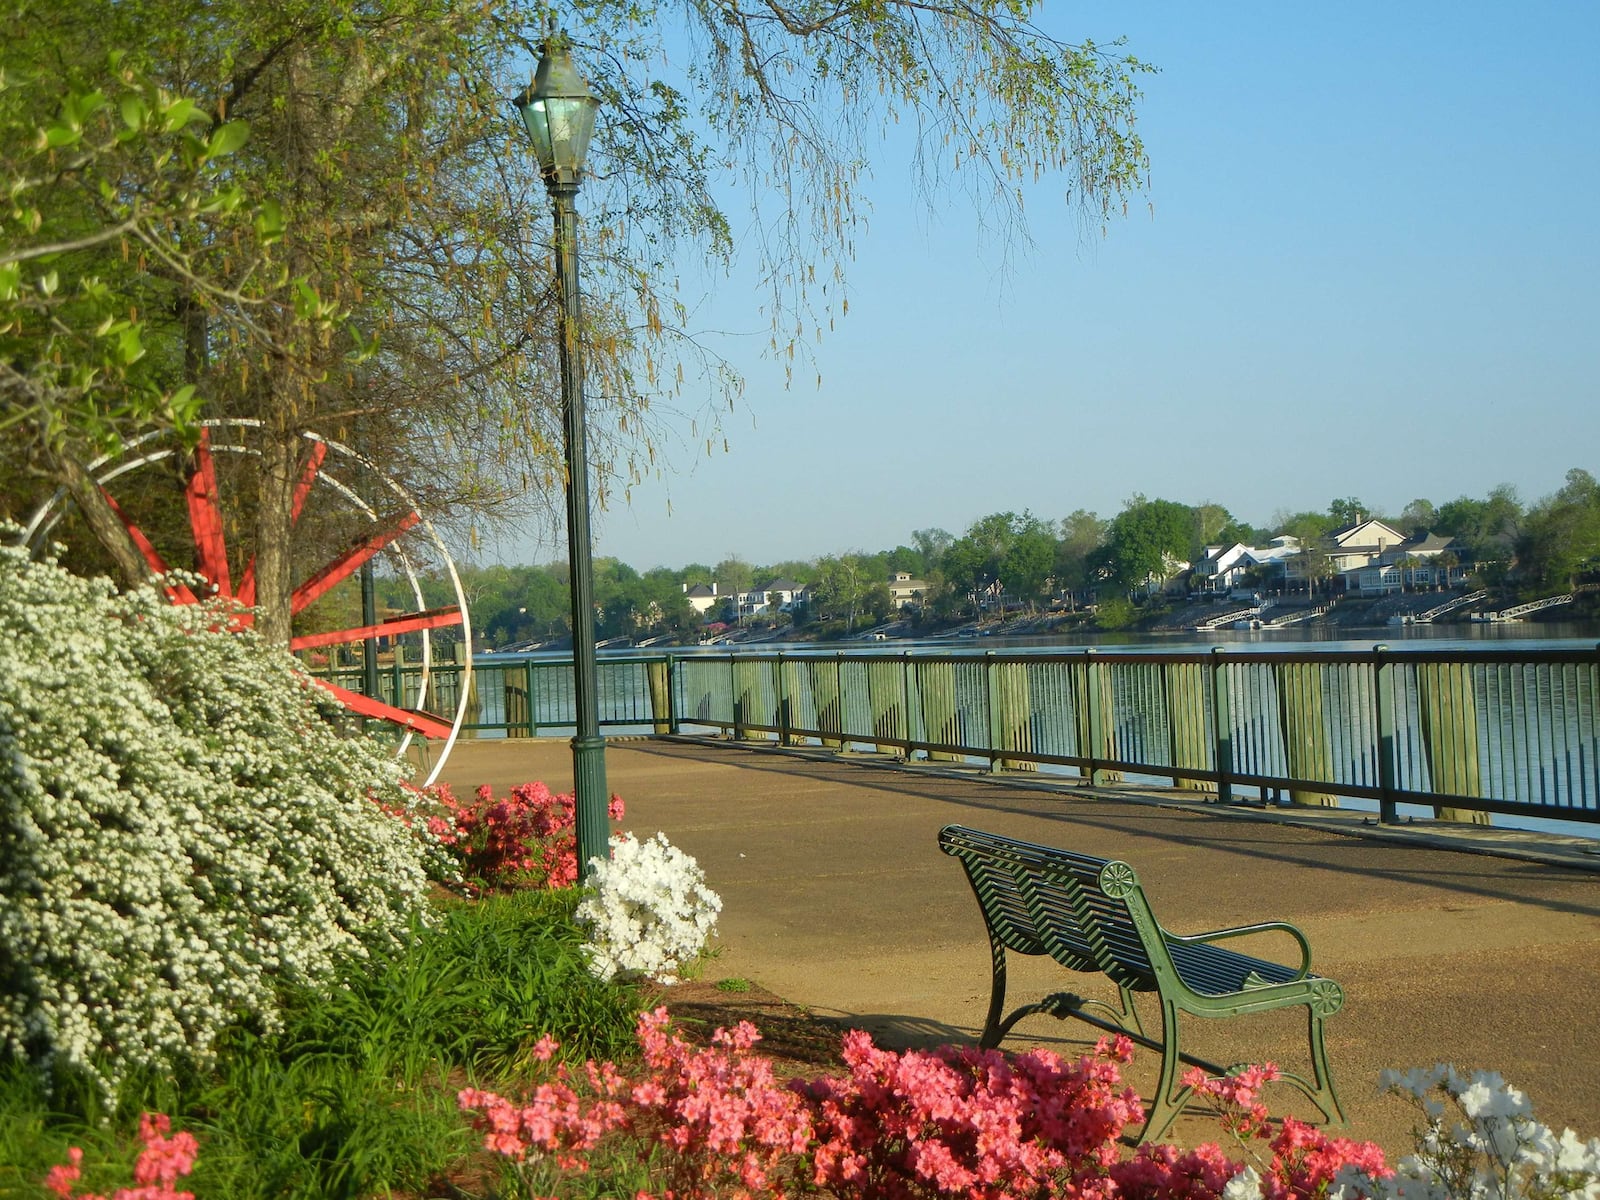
point(559, 112)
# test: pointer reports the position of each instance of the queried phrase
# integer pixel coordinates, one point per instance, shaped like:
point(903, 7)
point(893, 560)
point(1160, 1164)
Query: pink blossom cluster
point(733, 1129)
point(526, 836)
point(1304, 1161)
point(162, 1162)
point(947, 1122)
point(961, 1121)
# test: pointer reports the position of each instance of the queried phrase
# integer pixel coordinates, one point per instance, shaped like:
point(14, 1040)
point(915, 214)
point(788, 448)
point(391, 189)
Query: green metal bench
point(1091, 915)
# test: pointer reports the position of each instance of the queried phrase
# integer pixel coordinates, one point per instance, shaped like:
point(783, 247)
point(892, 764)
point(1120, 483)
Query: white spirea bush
point(181, 829)
point(1481, 1141)
point(647, 910)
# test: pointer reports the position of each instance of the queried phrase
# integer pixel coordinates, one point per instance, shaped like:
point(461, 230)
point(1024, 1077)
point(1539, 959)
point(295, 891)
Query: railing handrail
point(1485, 730)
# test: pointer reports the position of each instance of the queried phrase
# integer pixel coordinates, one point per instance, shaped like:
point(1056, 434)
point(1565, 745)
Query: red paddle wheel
point(352, 490)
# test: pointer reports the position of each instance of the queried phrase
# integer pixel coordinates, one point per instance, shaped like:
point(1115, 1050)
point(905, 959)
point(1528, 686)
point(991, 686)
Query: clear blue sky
point(1368, 267)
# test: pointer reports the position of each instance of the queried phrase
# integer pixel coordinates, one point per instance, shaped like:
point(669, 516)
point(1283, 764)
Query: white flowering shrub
point(646, 911)
point(181, 829)
point(1481, 1141)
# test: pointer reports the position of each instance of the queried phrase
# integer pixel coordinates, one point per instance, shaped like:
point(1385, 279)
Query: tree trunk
point(280, 469)
point(104, 523)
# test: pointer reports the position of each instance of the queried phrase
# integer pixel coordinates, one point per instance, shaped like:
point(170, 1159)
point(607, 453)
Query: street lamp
point(559, 111)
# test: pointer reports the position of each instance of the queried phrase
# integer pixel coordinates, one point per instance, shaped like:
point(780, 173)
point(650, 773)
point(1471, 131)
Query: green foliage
point(1115, 612)
point(354, 1097)
point(1147, 540)
point(1560, 537)
point(107, 186)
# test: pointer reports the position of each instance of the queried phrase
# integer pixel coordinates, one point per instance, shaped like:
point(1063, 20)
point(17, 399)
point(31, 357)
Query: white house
point(905, 591)
point(702, 597)
point(1221, 569)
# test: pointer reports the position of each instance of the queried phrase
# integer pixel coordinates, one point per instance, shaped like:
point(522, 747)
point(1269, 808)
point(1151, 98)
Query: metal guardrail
point(1462, 732)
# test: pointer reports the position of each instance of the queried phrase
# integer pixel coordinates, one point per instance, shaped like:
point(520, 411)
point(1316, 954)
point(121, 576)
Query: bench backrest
point(1073, 907)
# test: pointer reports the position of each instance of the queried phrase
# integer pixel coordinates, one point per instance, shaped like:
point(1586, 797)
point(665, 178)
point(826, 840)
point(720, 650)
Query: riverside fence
point(1466, 733)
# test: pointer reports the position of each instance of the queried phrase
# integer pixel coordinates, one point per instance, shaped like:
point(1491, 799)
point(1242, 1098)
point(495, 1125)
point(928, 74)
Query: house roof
point(1369, 535)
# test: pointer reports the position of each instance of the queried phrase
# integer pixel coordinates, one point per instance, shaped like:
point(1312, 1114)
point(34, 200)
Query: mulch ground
point(797, 1041)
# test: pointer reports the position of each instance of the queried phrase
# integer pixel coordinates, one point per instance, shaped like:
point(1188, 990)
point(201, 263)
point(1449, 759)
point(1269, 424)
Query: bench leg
point(1164, 1107)
point(1323, 1095)
point(993, 1030)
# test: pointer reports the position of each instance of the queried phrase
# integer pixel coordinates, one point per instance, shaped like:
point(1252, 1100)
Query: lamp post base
point(591, 801)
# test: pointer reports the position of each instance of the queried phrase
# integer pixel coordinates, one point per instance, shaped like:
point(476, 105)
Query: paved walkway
point(836, 898)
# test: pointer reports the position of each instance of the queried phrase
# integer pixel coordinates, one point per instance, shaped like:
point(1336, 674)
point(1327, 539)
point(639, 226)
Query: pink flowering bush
point(730, 1127)
point(954, 1121)
point(525, 838)
point(1296, 1159)
point(962, 1121)
point(162, 1162)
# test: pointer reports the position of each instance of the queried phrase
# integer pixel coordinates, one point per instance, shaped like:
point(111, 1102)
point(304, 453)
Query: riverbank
point(1291, 615)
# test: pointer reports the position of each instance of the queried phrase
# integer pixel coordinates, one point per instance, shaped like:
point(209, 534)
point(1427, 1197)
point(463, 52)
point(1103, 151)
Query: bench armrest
point(1219, 935)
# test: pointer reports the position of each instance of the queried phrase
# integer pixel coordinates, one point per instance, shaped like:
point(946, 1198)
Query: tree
point(1347, 511)
point(931, 543)
point(1560, 537)
point(1082, 534)
point(1028, 561)
point(391, 297)
point(1418, 517)
point(1146, 541)
point(845, 589)
point(1485, 527)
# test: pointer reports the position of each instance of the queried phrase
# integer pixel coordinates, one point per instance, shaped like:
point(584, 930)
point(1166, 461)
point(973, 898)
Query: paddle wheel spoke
point(348, 563)
point(438, 618)
point(428, 725)
point(176, 592)
point(205, 518)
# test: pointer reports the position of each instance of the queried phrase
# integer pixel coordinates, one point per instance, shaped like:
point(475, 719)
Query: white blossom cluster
point(181, 829)
point(1480, 1141)
point(647, 911)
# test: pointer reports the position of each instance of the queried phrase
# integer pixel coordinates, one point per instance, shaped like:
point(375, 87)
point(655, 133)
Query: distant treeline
point(1534, 550)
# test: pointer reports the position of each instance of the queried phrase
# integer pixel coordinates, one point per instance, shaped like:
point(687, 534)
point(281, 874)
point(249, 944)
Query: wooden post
point(827, 686)
point(657, 671)
point(941, 720)
point(1096, 713)
point(1016, 714)
point(1450, 736)
point(1305, 734)
point(1183, 687)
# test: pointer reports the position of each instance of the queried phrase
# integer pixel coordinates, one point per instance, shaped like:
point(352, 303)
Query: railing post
point(1091, 688)
point(674, 723)
point(733, 697)
point(992, 707)
point(1383, 685)
point(783, 703)
point(659, 681)
point(399, 669)
point(905, 708)
point(533, 707)
point(1222, 711)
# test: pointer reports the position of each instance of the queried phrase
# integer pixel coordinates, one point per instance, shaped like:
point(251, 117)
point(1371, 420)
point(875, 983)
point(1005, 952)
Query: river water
point(1546, 635)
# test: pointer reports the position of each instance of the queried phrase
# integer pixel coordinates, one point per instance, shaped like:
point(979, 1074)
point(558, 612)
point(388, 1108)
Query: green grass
point(355, 1096)
point(733, 984)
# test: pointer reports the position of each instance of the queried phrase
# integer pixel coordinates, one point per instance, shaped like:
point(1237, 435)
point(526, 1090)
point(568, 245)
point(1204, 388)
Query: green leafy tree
point(1560, 537)
point(1082, 535)
point(1347, 511)
point(1029, 561)
point(1146, 541)
point(392, 297)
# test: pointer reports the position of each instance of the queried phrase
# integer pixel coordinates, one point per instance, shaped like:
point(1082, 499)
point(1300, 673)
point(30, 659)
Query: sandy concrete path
point(836, 898)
